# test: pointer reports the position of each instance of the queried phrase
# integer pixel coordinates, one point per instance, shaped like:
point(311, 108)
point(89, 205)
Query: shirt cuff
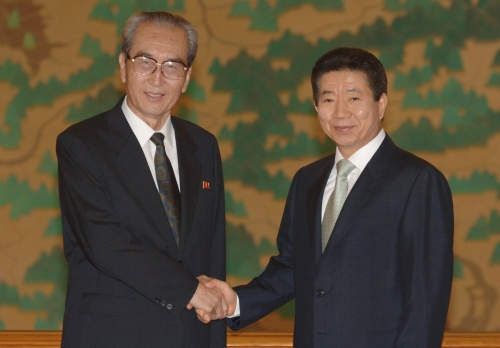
point(237, 310)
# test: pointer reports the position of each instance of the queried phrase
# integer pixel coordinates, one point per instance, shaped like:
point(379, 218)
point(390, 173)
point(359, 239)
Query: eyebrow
point(327, 91)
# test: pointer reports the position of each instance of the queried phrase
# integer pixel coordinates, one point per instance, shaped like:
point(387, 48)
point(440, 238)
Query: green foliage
point(196, 91)
point(13, 21)
point(483, 229)
point(458, 269)
point(52, 305)
point(477, 183)
point(102, 11)
point(48, 165)
point(215, 67)
point(254, 85)
point(54, 228)
point(392, 56)
point(46, 93)
point(119, 11)
point(400, 5)
point(90, 47)
point(479, 231)
point(494, 80)
point(287, 310)
point(296, 106)
point(413, 79)
point(225, 134)
point(14, 74)
point(49, 268)
point(496, 255)
point(496, 61)
point(467, 120)
point(242, 254)
point(91, 106)
point(188, 114)
point(233, 207)
point(29, 41)
point(452, 94)
point(23, 198)
point(446, 55)
point(9, 295)
point(265, 17)
point(300, 146)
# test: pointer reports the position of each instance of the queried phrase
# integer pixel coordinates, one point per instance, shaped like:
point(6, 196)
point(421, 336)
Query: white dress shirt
point(360, 159)
point(143, 133)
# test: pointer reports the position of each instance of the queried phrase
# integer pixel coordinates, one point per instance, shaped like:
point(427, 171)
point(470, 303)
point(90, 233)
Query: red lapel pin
point(205, 185)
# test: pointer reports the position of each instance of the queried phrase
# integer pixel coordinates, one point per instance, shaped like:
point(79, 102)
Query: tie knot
point(344, 167)
point(157, 138)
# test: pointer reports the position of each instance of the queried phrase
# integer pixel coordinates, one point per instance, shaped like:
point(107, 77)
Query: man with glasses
point(142, 203)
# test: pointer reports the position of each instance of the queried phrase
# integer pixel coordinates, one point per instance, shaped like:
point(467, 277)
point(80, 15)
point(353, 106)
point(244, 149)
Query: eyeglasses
point(147, 65)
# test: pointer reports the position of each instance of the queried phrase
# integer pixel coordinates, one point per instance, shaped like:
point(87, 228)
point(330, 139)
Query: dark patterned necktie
point(167, 186)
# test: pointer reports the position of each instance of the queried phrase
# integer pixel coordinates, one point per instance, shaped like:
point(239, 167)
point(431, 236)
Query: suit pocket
point(106, 304)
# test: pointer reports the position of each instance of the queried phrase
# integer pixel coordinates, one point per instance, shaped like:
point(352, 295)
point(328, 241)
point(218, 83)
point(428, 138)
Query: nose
point(157, 77)
point(342, 109)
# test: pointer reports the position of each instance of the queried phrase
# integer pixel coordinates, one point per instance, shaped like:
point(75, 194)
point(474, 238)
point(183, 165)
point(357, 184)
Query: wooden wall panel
point(51, 339)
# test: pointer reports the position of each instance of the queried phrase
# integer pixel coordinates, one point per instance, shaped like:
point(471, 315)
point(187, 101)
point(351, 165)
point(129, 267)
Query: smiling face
point(153, 96)
point(347, 111)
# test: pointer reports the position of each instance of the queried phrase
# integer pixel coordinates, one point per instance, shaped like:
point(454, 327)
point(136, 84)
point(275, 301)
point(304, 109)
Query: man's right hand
point(209, 302)
point(228, 293)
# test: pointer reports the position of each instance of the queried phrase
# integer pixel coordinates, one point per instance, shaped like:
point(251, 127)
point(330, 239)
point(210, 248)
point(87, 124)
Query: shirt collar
point(361, 157)
point(142, 131)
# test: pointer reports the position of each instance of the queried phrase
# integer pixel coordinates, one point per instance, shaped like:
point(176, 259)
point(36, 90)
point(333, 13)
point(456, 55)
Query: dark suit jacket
point(128, 283)
point(384, 279)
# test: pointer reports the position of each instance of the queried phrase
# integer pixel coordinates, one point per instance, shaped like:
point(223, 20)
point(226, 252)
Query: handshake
point(213, 300)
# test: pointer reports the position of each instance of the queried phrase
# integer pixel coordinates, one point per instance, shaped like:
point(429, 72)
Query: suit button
point(320, 292)
point(157, 300)
point(163, 303)
point(169, 306)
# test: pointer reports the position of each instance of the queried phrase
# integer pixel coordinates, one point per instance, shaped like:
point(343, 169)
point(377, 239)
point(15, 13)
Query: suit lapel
point(314, 204)
point(133, 170)
point(190, 177)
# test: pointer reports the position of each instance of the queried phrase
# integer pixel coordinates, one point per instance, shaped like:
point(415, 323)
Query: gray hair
point(162, 19)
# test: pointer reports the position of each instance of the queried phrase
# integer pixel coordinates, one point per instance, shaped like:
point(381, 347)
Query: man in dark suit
point(142, 203)
point(371, 270)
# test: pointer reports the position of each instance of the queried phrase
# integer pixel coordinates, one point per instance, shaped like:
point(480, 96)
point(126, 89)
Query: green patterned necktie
point(167, 186)
point(336, 201)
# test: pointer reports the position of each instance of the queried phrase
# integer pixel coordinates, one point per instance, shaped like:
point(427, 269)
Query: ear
point(186, 82)
point(382, 103)
point(122, 59)
point(315, 106)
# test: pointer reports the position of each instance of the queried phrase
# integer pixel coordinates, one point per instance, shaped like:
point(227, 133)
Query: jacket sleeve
point(91, 224)
point(218, 245)
point(427, 256)
point(274, 287)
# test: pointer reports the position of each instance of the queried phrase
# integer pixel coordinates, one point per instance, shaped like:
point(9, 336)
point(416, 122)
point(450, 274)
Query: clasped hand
point(213, 300)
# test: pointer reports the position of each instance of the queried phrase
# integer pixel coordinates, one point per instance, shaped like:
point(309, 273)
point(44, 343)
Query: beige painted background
point(58, 64)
